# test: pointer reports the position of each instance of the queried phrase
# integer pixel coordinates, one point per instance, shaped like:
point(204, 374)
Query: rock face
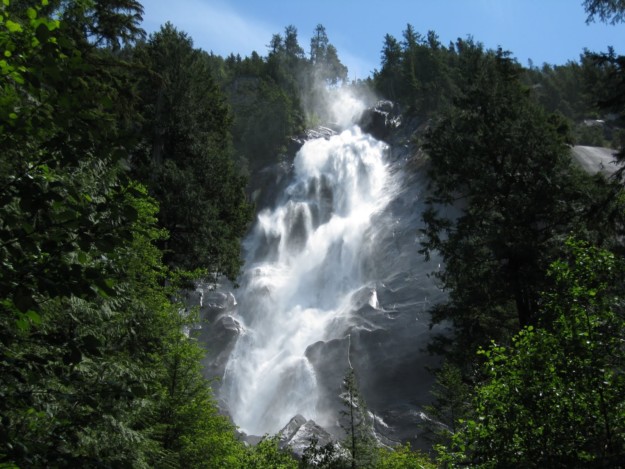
point(311, 134)
point(217, 329)
point(381, 120)
point(299, 432)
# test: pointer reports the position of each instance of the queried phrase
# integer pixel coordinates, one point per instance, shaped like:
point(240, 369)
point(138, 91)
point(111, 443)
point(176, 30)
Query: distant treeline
point(425, 77)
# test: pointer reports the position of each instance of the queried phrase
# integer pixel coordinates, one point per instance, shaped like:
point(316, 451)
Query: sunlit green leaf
point(13, 27)
point(33, 316)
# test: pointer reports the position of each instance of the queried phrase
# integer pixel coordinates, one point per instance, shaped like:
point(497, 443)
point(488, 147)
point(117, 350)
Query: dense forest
point(124, 178)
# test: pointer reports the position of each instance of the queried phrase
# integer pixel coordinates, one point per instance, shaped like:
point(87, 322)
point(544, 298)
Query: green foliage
point(185, 157)
point(188, 422)
point(590, 135)
point(563, 88)
point(503, 196)
point(425, 77)
point(64, 203)
point(417, 72)
point(68, 218)
point(73, 396)
point(358, 426)
point(267, 454)
point(329, 456)
point(402, 457)
point(266, 116)
point(610, 97)
point(273, 97)
point(612, 11)
point(452, 402)
point(95, 370)
point(387, 80)
point(554, 398)
point(324, 59)
point(582, 91)
point(101, 23)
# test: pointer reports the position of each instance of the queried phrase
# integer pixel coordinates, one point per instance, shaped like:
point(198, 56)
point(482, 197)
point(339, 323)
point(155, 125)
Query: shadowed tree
point(186, 159)
point(612, 11)
point(554, 397)
point(503, 194)
point(357, 424)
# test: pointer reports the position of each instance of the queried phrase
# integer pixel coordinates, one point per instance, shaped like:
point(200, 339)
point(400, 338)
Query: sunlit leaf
point(13, 27)
point(33, 316)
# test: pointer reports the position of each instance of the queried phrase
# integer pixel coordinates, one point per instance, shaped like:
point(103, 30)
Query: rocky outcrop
point(217, 328)
point(299, 433)
point(381, 120)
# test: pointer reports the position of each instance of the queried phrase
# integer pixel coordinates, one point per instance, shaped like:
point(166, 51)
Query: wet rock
point(216, 303)
point(381, 120)
point(191, 298)
point(298, 434)
point(218, 339)
point(291, 428)
point(312, 134)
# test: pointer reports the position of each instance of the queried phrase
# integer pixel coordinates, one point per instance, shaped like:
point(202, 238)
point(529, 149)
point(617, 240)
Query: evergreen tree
point(502, 165)
point(416, 72)
point(318, 45)
point(357, 424)
point(291, 44)
point(186, 157)
point(554, 397)
point(452, 403)
point(387, 80)
point(324, 58)
point(89, 339)
point(612, 11)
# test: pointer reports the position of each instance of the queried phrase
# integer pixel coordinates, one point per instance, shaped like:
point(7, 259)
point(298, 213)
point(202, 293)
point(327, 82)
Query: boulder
point(380, 120)
point(298, 434)
point(215, 304)
point(218, 339)
point(310, 134)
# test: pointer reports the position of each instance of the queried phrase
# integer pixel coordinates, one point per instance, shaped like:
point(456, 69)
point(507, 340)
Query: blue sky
point(552, 31)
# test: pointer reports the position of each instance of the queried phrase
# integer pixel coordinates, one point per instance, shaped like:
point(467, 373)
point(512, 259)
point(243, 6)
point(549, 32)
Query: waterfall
point(303, 270)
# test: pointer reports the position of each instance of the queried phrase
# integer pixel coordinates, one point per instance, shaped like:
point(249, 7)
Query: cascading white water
point(303, 267)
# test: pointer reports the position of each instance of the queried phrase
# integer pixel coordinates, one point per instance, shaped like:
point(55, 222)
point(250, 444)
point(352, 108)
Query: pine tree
point(357, 424)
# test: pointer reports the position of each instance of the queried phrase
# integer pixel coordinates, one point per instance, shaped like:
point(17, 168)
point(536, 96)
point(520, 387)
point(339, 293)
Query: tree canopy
point(612, 11)
point(95, 368)
point(186, 157)
point(554, 397)
point(503, 195)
